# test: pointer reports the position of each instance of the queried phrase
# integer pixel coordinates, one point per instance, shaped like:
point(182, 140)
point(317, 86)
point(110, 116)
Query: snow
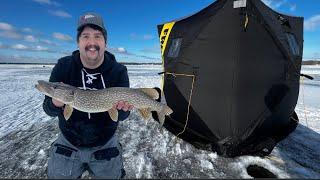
point(243, 162)
point(26, 133)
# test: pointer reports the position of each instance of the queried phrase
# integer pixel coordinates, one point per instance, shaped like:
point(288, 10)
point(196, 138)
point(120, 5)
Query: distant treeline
point(29, 63)
point(129, 63)
point(125, 63)
point(312, 62)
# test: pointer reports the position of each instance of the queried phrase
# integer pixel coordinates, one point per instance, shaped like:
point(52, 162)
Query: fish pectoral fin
point(113, 113)
point(145, 113)
point(67, 112)
point(150, 92)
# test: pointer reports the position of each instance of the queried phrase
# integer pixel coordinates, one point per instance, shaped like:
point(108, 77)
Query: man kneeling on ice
point(87, 140)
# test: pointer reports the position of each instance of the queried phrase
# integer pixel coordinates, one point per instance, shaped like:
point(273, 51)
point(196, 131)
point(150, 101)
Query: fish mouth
point(37, 86)
point(44, 87)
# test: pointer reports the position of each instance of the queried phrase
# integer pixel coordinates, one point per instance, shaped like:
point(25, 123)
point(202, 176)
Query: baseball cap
point(91, 18)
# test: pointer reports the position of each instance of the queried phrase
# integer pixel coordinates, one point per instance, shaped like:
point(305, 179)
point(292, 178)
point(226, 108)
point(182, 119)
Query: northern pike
point(102, 100)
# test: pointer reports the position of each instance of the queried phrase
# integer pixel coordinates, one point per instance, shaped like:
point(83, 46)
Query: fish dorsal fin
point(145, 113)
point(113, 113)
point(67, 112)
point(150, 92)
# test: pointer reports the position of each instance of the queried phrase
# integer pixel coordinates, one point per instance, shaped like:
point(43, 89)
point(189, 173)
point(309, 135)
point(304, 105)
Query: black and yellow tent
point(231, 75)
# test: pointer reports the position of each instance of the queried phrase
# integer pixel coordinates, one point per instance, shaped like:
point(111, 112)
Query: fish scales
point(102, 100)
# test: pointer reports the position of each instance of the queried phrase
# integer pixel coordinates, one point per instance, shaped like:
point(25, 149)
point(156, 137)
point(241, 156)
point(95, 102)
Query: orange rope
point(246, 22)
point(189, 103)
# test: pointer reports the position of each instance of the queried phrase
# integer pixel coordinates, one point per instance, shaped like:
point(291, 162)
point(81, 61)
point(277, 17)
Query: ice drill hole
point(257, 171)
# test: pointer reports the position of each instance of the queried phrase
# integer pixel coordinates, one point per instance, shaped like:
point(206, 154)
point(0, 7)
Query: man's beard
point(96, 47)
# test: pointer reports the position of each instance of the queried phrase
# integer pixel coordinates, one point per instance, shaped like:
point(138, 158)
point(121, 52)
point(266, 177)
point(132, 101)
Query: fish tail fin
point(165, 111)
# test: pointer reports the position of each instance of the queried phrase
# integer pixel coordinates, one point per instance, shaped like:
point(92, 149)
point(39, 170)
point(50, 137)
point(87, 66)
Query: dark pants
point(68, 161)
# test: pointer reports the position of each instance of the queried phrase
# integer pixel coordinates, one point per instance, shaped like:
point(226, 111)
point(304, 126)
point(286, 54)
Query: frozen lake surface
point(26, 133)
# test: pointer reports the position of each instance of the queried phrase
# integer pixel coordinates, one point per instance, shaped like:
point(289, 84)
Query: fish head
point(59, 91)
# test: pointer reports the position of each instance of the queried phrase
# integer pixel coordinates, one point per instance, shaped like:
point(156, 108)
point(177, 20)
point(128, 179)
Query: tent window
point(175, 48)
point(293, 44)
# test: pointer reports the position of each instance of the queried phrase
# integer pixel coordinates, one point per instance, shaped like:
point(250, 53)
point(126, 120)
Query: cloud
point(130, 56)
point(19, 47)
point(312, 23)
point(279, 3)
point(293, 7)
point(149, 58)
point(47, 2)
point(147, 37)
point(267, 2)
point(276, 4)
point(2, 46)
point(135, 36)
point(152, 49)
point(30, 38)
point(28, 30)
point(121, 50)
point(316, 55)
point(25, 59)
point(62, 37)
point(40, 48)
point(10, 35)
point(67, 53)
point(60, 13)
point(9, 32)
point(47, 42)
point(5, 26)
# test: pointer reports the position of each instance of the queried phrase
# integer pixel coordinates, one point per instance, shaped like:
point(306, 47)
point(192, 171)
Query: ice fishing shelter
point(231, 75)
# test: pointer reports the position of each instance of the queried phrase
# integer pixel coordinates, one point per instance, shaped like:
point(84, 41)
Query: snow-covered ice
point(26, 133)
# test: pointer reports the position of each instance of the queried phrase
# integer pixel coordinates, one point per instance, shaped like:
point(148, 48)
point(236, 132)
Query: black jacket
point(84, 129)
